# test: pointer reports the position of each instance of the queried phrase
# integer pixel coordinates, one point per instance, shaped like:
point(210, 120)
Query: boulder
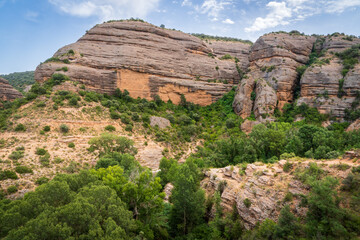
point(159, 121)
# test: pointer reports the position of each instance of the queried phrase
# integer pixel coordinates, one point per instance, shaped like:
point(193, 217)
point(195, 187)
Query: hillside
point(125, 136)
point(20, 80)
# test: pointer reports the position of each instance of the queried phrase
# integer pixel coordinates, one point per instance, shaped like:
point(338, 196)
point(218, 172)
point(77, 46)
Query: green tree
point(107, 143)
point(188, 201)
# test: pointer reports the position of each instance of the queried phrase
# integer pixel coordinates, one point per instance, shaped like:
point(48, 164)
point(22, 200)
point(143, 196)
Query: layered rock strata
point(7, 92)
point(147, 60)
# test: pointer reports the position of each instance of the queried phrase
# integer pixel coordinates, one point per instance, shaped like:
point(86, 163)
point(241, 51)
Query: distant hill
point(19, 80)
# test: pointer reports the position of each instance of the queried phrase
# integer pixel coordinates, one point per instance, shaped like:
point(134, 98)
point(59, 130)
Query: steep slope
point(7, 92)
point(325, 85)
point(147, 60)
point(272, 73)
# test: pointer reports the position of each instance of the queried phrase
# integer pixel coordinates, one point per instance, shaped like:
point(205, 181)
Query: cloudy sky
point(32, 30)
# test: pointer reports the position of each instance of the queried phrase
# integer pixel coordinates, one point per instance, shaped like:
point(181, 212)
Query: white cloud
point(228, 21)
point(339, 6)
point(213, 7)
point(106, 9)
point(31, 16)
point(187, 3)
point(278, 13)
point(287, 11)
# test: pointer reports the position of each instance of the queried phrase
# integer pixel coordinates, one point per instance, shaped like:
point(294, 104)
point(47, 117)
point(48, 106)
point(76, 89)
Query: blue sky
point(32, 30)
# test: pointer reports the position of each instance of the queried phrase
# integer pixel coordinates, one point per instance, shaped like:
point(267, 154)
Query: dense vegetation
point(20, 80)
point(217, 38)
point(119, 199)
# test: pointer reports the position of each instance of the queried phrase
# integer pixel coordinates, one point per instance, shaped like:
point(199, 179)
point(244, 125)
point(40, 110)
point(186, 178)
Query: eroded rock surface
point(147, 60)
point(258, 191)
point(272, 73)
point(7, 92)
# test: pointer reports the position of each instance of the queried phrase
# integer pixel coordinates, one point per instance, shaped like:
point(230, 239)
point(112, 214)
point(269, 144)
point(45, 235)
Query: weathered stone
point(7, 92)
point(167, 190)
point(159, 121)
point(147, 60)
point(273, 76)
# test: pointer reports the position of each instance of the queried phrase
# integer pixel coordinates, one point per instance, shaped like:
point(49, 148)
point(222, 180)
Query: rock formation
point(147, 60)
point(7, 92)
point(272, 73)
point(258, 190)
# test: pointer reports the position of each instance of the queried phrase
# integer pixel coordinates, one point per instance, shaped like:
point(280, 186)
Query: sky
point(33, 30)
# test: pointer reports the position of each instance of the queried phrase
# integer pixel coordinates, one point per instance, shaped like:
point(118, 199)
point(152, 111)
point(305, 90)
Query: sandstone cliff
point(272, 73)
point(147, 60)
point(7, 92)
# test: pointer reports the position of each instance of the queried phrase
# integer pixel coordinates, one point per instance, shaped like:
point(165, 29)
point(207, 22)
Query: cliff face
point(272, 73)
point(7, 92)
point(324, 85)
point(147, 60)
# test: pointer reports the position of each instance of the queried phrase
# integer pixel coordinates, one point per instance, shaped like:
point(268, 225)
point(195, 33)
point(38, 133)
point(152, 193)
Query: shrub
point(16, 155)
point(287, 155)
point(58, 160)
point(64, 128)
point(42, 180)
point(40, 151)
point(71, 145)
point(287, 167)
point(125, 119)
point(23, 169)
point(247, 202)
point(110, 128)
point(114, 115)
point(288, 197)
point(129, 128)
point(45, 160)
point(46, 129)
point(73, 101)
point(7, 174)
point(12, 189)
point(20, 128)
point(41, 104)
point(230, 123)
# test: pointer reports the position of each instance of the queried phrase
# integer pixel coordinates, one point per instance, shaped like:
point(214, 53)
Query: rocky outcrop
point(321, 87)
point(272, 73)
point(7, 92)
point(338, 42)
point(159, 121)
point(147, 60)
point(258, 190)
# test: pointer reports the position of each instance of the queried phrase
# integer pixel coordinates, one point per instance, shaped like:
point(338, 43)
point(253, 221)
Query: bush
point(40, 151)
point(12, 189)
point(7, 174)
point(287, 167)
point(23, 169)
point(114, 115)
point(288, 197)
point(45, 160)
point(230, 123)
point(20, 128)
point(71, 145)
point(46, 129)
point(110, 128)
point(129, 128)
point(16, 155)
point(64, 128)
point(42, 180)
point(247, 202)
